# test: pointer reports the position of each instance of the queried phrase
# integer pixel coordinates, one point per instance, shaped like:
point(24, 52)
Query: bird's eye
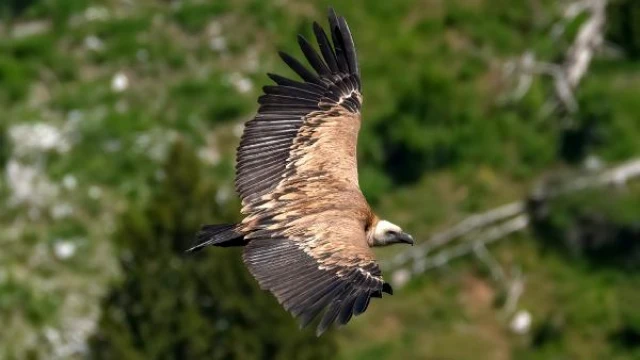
point(390, 233)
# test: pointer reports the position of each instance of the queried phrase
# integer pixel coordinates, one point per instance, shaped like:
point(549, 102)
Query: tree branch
point(496, 224)
point(567, 75)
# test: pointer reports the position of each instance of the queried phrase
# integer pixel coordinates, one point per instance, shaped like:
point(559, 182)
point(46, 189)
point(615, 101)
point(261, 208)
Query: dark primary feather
point(349, 47)
point(296, 66)
point(312, 57)
point(219, 235)
point(338, 42)
point(325, 48)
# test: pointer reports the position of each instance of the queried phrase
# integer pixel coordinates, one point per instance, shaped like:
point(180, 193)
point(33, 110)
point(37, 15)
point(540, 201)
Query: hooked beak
point(405, 238)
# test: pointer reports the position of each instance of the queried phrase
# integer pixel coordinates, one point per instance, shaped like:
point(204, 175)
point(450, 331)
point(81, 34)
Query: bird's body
point(308, 229)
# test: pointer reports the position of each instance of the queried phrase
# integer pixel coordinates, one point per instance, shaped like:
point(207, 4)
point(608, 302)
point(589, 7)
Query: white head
point(386, 233)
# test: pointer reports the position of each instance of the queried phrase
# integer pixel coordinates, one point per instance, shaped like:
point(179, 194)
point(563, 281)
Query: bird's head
point(384, 233)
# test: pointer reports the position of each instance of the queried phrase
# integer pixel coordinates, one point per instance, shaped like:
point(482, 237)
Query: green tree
point(173, 305)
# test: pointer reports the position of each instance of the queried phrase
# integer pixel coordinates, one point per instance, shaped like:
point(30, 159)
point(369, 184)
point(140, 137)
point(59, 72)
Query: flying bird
point(308, 230)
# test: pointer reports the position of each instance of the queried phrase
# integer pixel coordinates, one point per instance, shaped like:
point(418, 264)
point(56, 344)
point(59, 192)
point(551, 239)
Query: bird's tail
point(223, 235)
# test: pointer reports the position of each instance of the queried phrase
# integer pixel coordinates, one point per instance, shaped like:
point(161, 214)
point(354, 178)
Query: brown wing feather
point(288, 107)
point(297, 178)
point(307, 246)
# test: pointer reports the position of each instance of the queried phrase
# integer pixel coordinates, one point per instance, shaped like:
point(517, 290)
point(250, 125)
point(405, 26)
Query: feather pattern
point(296, 174)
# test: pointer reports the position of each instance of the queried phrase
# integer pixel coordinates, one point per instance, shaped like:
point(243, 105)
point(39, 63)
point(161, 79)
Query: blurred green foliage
point(600, 225)
point(624, 28)
point(440, 139)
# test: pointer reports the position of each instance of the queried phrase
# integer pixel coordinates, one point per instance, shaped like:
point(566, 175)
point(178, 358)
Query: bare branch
point(589, 39)
point(617, 176)
point(497, 273)
point(490, 236)
point(567, 76)
point(466, 226)
point(502, 221)
point(514, 292)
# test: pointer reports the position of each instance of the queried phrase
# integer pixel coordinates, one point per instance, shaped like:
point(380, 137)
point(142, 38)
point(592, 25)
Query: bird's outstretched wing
point(314, 258)
point(292, 112)
point(297, 177)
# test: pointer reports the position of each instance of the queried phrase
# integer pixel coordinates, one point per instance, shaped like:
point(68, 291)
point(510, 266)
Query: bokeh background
point(118, 126)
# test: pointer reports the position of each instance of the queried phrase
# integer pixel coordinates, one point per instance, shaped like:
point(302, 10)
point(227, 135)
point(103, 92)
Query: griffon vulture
point(308, 229)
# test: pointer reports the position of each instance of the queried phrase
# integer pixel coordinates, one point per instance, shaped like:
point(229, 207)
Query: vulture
point(308, 230)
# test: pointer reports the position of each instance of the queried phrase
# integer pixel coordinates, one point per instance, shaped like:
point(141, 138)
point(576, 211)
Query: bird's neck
point(370, 227)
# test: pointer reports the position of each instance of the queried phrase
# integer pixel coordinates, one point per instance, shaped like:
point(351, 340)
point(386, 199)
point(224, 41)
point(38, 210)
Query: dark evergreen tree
point(15, 7)
point(173, 305)
point(624, 26)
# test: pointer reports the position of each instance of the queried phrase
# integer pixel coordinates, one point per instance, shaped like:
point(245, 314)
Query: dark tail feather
point(218, 235)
